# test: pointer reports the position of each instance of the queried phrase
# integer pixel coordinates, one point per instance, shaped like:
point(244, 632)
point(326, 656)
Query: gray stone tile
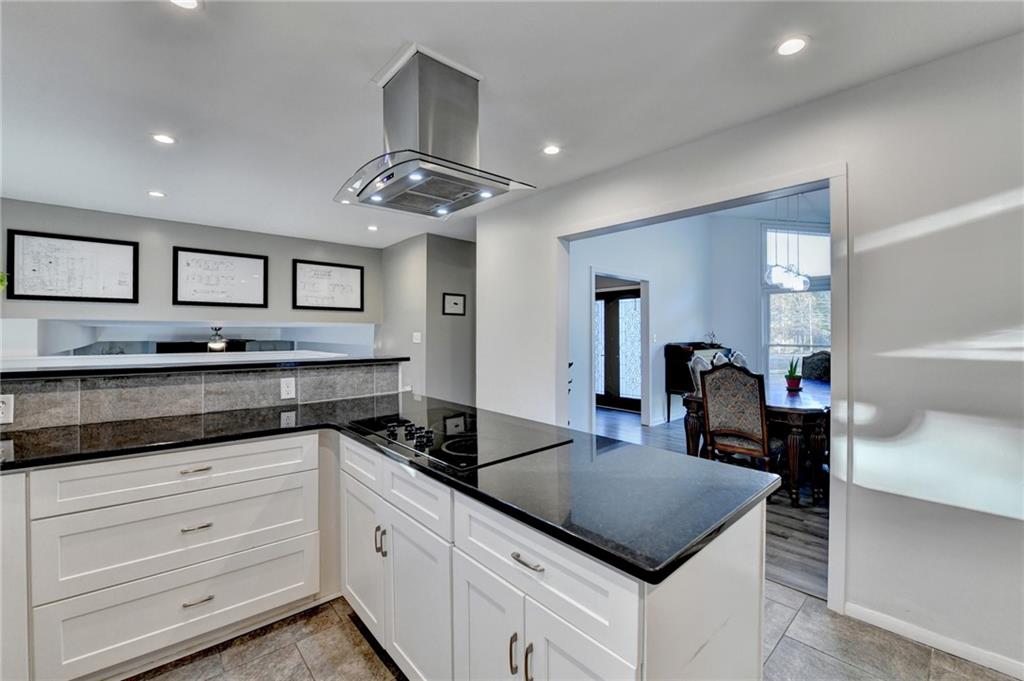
point(776, 619)
point(228, 390)
point(794, 661)
point(865, 646)
point(386, 404)
point(783, 594)
point(946, 667)
point(43, 403)
point(115, 398)
point(385, 378)
point(335, 383)
point(342, 653)
point(337, 411)
point(257, 643)
point(196, 667)
point(342, 607)
point(285, 664)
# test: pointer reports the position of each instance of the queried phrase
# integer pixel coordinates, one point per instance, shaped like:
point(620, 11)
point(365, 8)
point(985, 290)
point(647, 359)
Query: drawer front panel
point(107, 483)
point(362, 463)
point(73, 554)
point(88, 633)
point(426, 500)
point(602, 603)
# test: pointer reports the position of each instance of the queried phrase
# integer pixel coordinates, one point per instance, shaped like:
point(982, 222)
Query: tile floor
point(803, 642)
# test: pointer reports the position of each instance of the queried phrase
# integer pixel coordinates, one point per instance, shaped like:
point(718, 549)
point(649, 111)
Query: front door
point(617, 366)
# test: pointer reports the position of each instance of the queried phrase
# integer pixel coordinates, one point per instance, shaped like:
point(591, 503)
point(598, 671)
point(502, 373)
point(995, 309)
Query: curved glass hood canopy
point(431, 141)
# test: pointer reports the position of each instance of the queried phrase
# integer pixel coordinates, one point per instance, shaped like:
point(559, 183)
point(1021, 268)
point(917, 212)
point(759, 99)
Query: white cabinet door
point(419, 597)
point(557, 651)
point(487, 623)
point(363, 568)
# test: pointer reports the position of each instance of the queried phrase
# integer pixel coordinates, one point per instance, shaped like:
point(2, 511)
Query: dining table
point(802, 417)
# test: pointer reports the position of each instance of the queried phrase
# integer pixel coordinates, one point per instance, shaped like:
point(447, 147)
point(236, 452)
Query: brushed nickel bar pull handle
point(383, 551)
point(376, 539)
point(536, 567)
point(190, 471)
point(196, 528)
point(526, 663)
point(512, 666)
point(192, 604)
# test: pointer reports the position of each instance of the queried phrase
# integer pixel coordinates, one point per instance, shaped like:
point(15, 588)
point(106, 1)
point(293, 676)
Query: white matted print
point(326, 286)
point(203, 277)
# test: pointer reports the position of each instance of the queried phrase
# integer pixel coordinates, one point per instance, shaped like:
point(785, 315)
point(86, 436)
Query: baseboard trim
point(986, 658)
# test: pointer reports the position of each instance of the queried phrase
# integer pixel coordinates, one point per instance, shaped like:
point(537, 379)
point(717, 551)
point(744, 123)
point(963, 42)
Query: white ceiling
point(273, 105)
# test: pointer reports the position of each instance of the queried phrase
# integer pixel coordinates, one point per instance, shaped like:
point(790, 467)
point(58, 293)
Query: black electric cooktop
point(456, 436)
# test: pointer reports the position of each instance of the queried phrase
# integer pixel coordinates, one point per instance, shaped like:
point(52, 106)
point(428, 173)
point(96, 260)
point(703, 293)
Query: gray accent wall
point(157, 238)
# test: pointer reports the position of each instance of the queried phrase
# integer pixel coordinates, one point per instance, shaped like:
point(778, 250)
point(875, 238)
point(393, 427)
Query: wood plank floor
point(797, 547)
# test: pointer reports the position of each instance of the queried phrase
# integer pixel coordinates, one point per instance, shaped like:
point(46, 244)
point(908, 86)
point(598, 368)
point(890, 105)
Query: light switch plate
point(417, 337)
point(6, 409)
point(288, 388)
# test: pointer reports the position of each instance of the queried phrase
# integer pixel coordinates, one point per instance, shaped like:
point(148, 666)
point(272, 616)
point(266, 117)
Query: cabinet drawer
point(426, 500)
point(106, 483)
point(73, 554)
point(601, 602)
point(362, 463)
point(88, 633)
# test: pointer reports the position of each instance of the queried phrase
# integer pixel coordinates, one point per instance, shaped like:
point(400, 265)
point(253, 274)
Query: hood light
point(345, 201)
point(376, 198)
point(416, 177)
point(442, 211)
point(486, 195)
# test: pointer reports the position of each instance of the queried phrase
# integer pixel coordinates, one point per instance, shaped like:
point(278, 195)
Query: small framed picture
point(454, 304)
point(204, 277)
point(326, 286)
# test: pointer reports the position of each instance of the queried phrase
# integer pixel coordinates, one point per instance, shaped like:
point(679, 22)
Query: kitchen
point(252, 381)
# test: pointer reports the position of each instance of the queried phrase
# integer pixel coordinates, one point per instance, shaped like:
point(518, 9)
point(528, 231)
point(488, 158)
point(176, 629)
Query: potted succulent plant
point(793, 376)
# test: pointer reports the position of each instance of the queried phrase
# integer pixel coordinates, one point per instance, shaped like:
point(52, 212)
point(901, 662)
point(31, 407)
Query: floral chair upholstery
point(734, 415)
point(817, 366)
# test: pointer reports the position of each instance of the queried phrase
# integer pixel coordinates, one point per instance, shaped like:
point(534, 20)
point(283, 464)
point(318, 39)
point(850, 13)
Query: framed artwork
point(220, 278)
point(453, 304)
point(326, 286)
point(44, 266)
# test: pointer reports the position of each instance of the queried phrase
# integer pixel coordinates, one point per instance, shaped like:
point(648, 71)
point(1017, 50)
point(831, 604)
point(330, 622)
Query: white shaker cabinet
point(362, 562)
point(557, 651)
point(488, 622)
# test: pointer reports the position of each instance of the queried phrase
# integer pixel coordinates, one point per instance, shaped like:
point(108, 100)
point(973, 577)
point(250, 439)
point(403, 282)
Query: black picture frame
point(447, 297)
point(12, 255)
point(295, 285)
point(176, 299)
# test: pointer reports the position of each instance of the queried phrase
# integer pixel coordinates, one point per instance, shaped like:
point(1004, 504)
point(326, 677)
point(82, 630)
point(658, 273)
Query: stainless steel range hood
point(431, 145)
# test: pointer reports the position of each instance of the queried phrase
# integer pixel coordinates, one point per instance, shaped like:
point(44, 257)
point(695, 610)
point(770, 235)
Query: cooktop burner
point(459, 436)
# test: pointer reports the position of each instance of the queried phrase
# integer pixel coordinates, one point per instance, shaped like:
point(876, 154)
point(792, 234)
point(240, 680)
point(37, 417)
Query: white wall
point(934, 538)
point(673, 258)
point(734, 285)
point(156, 239)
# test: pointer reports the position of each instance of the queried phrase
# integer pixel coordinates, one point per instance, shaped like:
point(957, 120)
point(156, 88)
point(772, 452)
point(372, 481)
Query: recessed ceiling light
point(186, 4)
point(442, 211)
point(415, 177)
point(486, 195)
point(551, 150)
point(346, 201)
point(372, 228)
point(164, 139)
point(157, 195)
point(376, 198)
point(791, 46)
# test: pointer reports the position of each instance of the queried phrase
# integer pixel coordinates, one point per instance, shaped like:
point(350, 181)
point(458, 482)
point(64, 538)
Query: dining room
point(729, 358)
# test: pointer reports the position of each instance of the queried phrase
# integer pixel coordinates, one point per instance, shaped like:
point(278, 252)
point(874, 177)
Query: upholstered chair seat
point(817, 366)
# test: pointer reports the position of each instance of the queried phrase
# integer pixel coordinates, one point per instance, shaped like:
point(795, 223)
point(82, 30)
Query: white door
point(487, 623)
point(557, 651)
point(363, 568)
point(419, 597)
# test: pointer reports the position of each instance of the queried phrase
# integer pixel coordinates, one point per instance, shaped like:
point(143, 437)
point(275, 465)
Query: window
point(797, 323)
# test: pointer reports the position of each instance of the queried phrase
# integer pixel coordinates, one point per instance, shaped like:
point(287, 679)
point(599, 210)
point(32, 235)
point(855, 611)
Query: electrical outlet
point(288, 419)
point(417, 337)
point(288, 388)
point(6, 409)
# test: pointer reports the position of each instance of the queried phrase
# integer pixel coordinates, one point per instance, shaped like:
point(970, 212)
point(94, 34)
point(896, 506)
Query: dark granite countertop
point(642, 510)
point(26, 370)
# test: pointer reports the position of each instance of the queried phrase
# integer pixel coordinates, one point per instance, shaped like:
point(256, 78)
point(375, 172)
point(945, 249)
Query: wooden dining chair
point(735, 427)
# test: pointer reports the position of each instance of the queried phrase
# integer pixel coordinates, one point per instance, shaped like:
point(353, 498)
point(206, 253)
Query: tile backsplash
point(46, 403)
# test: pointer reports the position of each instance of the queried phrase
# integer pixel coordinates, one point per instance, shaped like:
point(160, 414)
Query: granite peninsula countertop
point(642, 510)
point(120, 365)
